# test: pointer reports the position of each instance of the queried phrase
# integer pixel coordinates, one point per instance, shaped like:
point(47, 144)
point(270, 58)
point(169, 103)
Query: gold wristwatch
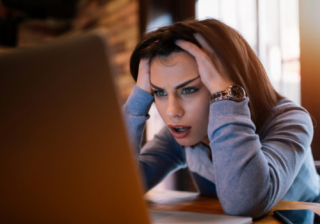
point(234, 92)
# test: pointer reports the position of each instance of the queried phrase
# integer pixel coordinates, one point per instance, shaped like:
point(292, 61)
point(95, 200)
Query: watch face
point(238, 93)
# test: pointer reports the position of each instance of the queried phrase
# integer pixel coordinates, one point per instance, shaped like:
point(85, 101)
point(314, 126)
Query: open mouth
point(179, 131)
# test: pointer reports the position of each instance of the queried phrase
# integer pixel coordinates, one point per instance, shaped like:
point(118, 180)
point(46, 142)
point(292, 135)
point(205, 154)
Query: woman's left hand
point(206, 60)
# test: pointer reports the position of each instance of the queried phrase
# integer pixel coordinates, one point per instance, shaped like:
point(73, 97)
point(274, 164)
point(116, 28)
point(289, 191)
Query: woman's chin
point(188, 142)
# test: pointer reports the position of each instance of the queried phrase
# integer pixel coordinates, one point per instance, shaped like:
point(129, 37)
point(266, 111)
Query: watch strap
point(218, 96)
point(233, 92)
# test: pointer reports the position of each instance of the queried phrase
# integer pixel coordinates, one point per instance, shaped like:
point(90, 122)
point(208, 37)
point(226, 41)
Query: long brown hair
point(237, 59)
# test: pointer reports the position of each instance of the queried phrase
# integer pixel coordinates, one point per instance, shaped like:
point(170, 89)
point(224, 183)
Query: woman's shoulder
point(286, 114)
point(164, 140)
point(164, 143)
point(286, 103)
point(288, 108)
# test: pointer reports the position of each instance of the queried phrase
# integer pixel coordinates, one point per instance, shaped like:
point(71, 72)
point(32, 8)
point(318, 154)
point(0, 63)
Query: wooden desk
point(192, 202)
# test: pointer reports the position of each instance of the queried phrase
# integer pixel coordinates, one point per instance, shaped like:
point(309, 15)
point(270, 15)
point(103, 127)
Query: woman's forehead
point(174, 69)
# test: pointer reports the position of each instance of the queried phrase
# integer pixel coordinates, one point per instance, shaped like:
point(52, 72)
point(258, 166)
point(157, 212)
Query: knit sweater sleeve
point(158, 157)
point(253, 174)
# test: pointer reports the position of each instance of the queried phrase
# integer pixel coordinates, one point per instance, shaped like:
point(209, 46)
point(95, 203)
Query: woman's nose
point(174, 108)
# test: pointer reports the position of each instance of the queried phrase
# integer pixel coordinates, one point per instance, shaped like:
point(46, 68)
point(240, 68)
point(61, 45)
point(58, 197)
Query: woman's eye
point(160, 93)
point(188, 90)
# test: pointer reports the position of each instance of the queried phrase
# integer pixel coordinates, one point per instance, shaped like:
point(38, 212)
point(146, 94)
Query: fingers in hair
point(193, 49)
point(204, 44)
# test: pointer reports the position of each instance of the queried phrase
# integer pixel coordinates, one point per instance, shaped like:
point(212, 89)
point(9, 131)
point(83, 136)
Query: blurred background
point(285, 35)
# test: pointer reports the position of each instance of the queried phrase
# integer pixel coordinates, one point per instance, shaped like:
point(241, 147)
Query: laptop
point(64, 152)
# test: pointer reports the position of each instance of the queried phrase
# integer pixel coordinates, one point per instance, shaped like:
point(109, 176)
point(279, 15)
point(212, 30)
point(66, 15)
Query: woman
point(248, 145)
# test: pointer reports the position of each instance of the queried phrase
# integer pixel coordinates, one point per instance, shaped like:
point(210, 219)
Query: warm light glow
point(274, 36)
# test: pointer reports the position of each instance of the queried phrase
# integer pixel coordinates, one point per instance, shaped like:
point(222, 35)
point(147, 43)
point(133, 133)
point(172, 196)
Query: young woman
point(240, 139)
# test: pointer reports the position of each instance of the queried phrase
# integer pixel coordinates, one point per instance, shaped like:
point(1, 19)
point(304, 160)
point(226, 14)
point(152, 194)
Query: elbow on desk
point(248, 213)
point(242, 208)
point(251, 201)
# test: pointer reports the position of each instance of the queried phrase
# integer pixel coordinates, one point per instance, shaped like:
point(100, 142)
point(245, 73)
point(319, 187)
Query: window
point(271, 27)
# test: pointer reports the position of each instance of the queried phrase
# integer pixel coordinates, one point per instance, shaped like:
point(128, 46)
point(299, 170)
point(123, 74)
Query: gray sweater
point(248, 172)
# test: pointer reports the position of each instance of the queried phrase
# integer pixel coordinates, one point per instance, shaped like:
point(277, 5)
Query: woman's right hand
point(143, 81)
point(206, 59)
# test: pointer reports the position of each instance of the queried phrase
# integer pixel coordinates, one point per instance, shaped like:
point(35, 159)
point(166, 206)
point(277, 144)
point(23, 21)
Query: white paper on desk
point(175, 217)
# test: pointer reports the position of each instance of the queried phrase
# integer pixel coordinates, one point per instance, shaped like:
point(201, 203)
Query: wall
point(121, 20)
point(119, 17)
point(310, 64)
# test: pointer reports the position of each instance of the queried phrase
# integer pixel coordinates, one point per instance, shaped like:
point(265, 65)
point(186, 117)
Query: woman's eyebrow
point(155, 87)
point(178, 86)
point(186, 83)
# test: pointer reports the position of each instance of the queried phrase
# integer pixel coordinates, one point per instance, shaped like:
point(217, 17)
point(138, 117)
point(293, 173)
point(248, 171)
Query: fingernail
point(175, 39)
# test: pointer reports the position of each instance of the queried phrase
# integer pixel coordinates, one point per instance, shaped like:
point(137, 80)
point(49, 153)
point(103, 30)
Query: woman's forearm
point(135, 113)
point(253, 174)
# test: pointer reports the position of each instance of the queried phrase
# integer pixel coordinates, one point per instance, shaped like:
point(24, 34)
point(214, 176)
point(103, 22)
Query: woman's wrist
point(233, 92)
point(139, 102)
point(145, 89)
point(143, 80)
point(218, 88)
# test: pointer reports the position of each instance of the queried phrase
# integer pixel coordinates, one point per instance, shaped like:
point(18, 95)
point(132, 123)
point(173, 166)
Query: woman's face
point(181, 98)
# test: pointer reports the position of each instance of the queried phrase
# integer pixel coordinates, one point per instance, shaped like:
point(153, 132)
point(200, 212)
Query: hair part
point(233, 58)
